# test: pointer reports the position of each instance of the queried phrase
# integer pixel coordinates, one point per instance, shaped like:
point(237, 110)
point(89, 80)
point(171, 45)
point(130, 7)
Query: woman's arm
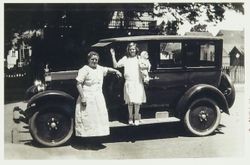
point(81, 93)
point(117, 72)
point(112, 51)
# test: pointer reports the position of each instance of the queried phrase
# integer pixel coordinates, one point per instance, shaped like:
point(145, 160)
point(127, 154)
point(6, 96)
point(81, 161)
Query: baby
point(145, 66)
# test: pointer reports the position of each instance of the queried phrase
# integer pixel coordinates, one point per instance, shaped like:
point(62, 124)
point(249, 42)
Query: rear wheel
point(51, 126)
point(202, 117)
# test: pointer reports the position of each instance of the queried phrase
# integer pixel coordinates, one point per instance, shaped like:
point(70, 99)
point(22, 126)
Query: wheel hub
point(53, 124)
point(203, 116)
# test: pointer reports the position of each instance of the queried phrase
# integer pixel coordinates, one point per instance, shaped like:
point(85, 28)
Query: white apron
point(92, 119)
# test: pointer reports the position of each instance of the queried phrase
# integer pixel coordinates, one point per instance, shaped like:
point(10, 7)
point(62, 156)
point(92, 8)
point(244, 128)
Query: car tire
point(202, 117)
point(51, 126)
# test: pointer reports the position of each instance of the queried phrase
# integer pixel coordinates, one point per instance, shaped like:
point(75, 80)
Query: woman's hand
point(83, 102)
point(112, 51)
point(118, 73)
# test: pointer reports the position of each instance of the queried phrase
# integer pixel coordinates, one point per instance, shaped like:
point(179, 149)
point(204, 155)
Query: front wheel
point(51, 126)
point(202, 117)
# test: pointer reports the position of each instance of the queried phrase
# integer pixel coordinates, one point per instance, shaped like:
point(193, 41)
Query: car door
point(202, 62)
point(167, 76)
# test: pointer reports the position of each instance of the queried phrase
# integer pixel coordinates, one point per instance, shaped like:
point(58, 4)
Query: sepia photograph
point(124, 80)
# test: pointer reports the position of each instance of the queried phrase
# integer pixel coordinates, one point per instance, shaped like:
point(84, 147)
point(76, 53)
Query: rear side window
point(170, 54)
point(200, 53)
point(207, 52)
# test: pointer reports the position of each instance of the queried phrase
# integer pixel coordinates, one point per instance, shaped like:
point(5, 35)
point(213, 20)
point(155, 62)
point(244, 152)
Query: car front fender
point(50, 95)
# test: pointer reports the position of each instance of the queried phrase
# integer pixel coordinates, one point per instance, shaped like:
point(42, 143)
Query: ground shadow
point(129, 134)
point(219, 129)
point(93, 143)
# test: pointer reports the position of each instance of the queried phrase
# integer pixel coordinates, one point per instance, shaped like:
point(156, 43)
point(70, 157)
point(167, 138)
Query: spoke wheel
point(52, 126)
point(203, 117)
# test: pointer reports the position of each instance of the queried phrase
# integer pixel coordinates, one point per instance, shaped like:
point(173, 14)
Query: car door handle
point(154, 78)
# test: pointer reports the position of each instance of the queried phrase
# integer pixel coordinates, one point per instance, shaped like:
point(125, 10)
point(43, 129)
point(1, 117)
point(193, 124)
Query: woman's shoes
point(130, 122)
point(136, 123)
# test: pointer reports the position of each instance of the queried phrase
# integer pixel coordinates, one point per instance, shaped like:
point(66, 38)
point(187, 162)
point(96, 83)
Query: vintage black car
point(186, 84)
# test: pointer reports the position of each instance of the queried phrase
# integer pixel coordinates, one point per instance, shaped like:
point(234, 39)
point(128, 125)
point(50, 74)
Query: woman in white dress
point(134, 93)
point(91, 116)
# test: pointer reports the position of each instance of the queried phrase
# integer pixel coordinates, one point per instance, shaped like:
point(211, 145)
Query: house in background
point(122, 26)
point(236, 56)
point(233, 54)
point(233, 47)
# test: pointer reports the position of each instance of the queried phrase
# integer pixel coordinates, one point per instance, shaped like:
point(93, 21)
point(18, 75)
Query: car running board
point(145, 122)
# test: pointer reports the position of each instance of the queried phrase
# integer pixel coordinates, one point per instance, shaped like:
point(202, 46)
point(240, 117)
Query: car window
point(200, 54)
point(170, 54)
point(207, 52)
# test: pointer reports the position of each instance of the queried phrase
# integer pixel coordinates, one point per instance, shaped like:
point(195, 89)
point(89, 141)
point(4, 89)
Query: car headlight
point(39, 85)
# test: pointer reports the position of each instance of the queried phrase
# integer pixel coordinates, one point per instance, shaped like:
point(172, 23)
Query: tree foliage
point(199, 28)
point(191, 12)
point(96, 17)
point(177, 13)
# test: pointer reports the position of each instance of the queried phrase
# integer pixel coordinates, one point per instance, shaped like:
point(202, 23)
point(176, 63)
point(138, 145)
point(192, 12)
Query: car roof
point(158, 37)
